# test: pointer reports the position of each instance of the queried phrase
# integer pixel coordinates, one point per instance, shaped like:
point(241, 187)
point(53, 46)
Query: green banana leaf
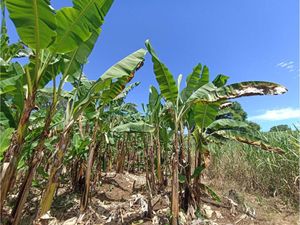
point(126, 90)
point(122, 72)
point(195, 80)
point(154, 97)
point(75, 24)
point(220, 80)
point(78, 57)
point(134, 127)
point(205, 113)
point(9, 52)
point(223, 124)
point(154, 105)
point(8, 70)
point(198, 170)
point(34, 20)
point(5, 138)
point(163, 76)
point(125, 66)
point(6, 115)
point(9, 84)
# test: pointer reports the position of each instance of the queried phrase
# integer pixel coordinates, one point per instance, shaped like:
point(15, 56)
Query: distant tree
point(236, 112)
point(254, 126)
point(282, 127)
point(239, 113)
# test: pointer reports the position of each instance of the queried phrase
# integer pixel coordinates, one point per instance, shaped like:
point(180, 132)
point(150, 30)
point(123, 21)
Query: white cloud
point(278, 114)
point(289, 65)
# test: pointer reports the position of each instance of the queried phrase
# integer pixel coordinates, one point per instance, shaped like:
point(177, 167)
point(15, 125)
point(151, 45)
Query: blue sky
point(246, 40)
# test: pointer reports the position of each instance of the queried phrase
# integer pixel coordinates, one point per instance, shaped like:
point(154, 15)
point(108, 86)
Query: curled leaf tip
point(280, 90)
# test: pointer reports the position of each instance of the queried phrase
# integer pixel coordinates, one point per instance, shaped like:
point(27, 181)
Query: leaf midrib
point(36, 27)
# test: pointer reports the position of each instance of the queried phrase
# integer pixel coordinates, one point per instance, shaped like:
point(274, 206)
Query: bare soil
point(122, 199)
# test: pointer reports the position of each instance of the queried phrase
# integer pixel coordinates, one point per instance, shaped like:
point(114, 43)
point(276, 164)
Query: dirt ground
point(122, 199)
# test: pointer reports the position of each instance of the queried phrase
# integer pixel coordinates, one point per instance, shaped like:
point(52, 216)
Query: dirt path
point(119, 199)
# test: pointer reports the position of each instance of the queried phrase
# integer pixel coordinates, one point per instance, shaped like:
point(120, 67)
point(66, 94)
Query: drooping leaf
point(3, 20)
point(9, 51)
point(164, 137)
point(210, 93)
point(4, 122)
point(34, 20)
point(8, 70)
point(223, 124)
point(232, 110)
point(137, 127)
point(249, 88)
point(202, 94)
point(80, 82)
point(11, 79)
point(122, 72)
point(247, 138)
point(163, 76)
point(125, 66)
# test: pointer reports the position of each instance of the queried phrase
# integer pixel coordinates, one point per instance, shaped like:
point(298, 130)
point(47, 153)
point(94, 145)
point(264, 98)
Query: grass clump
point(252, 169)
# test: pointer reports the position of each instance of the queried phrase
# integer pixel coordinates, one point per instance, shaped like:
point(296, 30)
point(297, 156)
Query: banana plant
point(10, 76)
point(206, 94)
point(108, 86)
point(153, 114)
point(49, 34)
point(120, 113)
point(82, 53)
point(217, 131)
point(99, 106)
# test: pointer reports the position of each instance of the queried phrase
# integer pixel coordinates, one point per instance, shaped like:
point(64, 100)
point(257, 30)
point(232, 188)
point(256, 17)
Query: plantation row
point(91, 129)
